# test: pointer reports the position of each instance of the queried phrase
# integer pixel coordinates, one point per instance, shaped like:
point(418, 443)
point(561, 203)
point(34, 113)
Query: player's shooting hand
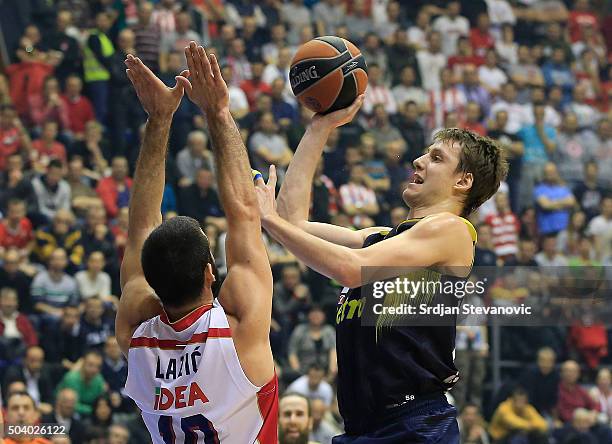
point(205, 87)
point(338, 118)
point(157, 99)
point(266, 194)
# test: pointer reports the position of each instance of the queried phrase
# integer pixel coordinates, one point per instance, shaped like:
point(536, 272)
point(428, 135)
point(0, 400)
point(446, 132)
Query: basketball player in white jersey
point(200, 368)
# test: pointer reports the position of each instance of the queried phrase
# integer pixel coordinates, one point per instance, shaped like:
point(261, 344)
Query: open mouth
point(416, 179)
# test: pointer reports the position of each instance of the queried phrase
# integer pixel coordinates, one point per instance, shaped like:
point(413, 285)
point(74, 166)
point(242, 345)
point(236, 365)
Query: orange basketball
point(327, 74)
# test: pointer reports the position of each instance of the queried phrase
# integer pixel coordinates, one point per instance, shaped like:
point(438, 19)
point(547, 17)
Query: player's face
point(435, 175)
point(293, 421)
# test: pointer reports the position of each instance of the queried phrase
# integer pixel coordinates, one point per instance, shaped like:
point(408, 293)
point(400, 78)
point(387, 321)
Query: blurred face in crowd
point(103, 22)
point(96, 262)
point(66, 402)
point(577, 221)
point(293, 421)
point(64, 19)
point(278, 86)
point(436, 175)
point(558, 56)
point(524, 55)
point(553, 32)
point(570, 372)
point(358, 173)
point(453, 8)
point(546, 361)
point(551, 175)
point(126, 40)
point(451, 120)
point(582, 420)
point(570, 123)
point(16, 212)
point(290, 277)
point(94, 309)
point(491, 58)
point(119, 168)
point(527, 249)
point(103, 410)
point(228, 74)
point(197, 142)
point(267, 123)
point(519, 401)
point(74, 86)
point(538, 114)
point(70, 317)
point(469, 416)
point(111, 348)
point(54, 175)
point(380, 114)
point(411, 112)
point(91, 365)
point(316, 317)
point(58, 261)
point(470, 75)
point(435, 42)
point(315, 376)
point(306, 34)
point(32, 32)
point(484, 235)
point(264, 103)
point(11, 261)
point(249, 26)
point(501, 120)
point(278, 33)
point(317, 410)
point(238, 47)
point(34, 359)
point(603, 380)
point(49, 132)
point(144, 12)
point(502, 202)
point(408, 76)
point(8, 302)
point(204, 179)
point(398, 215)
point(604, 129)
point(75, 169)
point(96, 216)
point(51, 87)
point(183, 22)
point(7, 116)
point(175, 62)
point(606, 208)
point(473, 112)
point(374, 74)
point(118, 434)
point(284, 57)
point(20, 410)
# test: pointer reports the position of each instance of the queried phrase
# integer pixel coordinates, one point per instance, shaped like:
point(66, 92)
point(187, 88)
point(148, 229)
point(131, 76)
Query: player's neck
point(419, 211)
point(174, 314)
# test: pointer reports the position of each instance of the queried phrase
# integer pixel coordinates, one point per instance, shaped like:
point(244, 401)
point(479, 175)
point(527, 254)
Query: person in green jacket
point(86, 381)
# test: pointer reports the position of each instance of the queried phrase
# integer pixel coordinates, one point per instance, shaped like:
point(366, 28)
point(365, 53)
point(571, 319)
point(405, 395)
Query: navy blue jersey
point(381, 368)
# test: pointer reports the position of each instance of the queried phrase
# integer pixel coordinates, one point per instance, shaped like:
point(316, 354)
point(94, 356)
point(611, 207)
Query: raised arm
point(138, 301)
point(246, 293)
point(294, 197)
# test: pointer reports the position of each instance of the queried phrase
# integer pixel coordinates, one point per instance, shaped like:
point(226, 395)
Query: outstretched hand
point(205, 87)
point(266, 194)
point(340, 117)
point(157, 99)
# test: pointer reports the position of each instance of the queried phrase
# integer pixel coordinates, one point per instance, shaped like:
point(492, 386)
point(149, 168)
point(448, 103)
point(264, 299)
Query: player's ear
point(209, 274)
point(465, 182)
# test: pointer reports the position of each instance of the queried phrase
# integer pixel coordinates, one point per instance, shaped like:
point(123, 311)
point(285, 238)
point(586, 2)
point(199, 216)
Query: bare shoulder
point(447, 226)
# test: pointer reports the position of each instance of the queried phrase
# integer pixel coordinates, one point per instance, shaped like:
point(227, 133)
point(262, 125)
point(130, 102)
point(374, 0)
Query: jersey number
point(189, 426)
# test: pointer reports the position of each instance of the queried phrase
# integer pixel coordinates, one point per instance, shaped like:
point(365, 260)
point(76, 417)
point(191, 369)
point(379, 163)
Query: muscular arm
point(294, 197)
point(138, 301)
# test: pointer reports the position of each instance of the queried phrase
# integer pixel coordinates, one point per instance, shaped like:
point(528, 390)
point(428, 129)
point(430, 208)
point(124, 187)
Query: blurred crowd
point(536, 75)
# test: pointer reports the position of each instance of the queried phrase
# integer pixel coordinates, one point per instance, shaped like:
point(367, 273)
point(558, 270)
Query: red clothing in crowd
point(26, 80)
point(80, 111)
point(56, 150)
point(24, 327)
point(19, 237)
point(40, 112)
point(505, 230)
point(108, 190)
point(579, 19)
point(572, 398)
point(10, 143)
point(481, 41)
point(465, 60)
point(477, 128)
point(591, 341)
point(253, 89)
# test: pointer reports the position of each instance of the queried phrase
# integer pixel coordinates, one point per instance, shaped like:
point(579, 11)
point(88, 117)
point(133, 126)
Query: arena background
point(536, 75)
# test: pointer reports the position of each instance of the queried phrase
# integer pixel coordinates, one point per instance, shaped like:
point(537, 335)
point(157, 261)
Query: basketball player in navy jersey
point(391, 382)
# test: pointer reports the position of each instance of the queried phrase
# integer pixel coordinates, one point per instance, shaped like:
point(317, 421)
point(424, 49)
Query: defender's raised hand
point(157, 99)
point(205, 87)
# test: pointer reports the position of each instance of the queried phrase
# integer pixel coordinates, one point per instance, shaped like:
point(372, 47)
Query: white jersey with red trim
point(187, 380)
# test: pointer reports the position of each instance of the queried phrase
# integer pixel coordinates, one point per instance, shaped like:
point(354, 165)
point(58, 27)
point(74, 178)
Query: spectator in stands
point(95, 282)
point(313, 342)
point(101, 418)
point(431, 61)
point(16, 330)
point(62, 343)
point(571, 395)
point(484, 253)
point(451, 26)
point(550, 258)
point(37, 377)
point(383, 130)
point(542, 381)
point(237, 59)
point(505, 228)
point(12, 277)
point(323, 430)
point(600, 226)
point(52, 191)
point(449, 98)
point(53, 289)
point(118, 434)
point(96, 57)
point(284, 112)
point(568, 239)
point(517, 112)
point(557, 72)
point(86, 381)
point(481, 38)
point(193, 157)
point(200, 200)
point(516, 417)
point(407, 90)
point(602, 394)
point(178, 39)
point(473, 118)
point(93, 149)
point(587, 336)
point(471, 425)
point(268, 147)
point(79, 108)
point(47, 147)
point(573, 150)
point(554, 201)
point(114, 368)
point(327, 16)
point(82, 192)
point(16, 229)
point(115, 189)
point(412, 132)
point(313, 385)
point(294, 419)
point(491, 76)
point(147, 37)
point(474, 91)
point(61, 234)
point(357, 199)
point(64, 414)
point(14, 138)
point(62, 40)
point(292, 297)
point(49, 106)
point(21, 411)
point(603, 150)
point(95, 326)
point(471, 351)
